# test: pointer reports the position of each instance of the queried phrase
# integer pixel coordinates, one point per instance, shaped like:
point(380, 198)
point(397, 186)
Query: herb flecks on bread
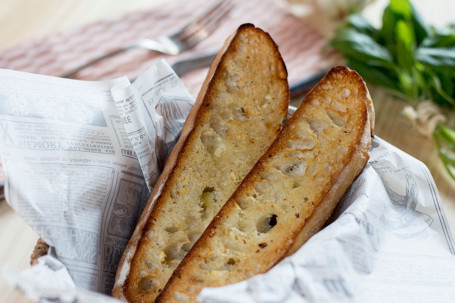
point(238, 114)
point(290, 192)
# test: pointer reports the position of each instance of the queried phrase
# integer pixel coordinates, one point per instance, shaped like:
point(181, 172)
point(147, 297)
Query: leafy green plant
point(412, 60)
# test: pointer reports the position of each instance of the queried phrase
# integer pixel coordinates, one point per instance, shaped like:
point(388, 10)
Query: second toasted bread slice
point(289, 194)
point(237, 115)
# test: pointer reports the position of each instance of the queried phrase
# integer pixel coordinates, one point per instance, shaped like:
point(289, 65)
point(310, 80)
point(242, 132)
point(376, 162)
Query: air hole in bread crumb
point(260, 187)
point(231, 261)
point(296, 184)
point(173, 252)
point(268, 176)
point(149, 264)
point(265, 224)
point(208, 197)
point(243, 225)
point(336, 119)
point(219, 127)
point(172, 229)
point(240, 114)
point(213, 143)
point(302, 144)
point(338, 106)
point(193, 236)
point(242, 202)
point(145, 284)
point(186, 247)
point(318, 125)
point(292, 168)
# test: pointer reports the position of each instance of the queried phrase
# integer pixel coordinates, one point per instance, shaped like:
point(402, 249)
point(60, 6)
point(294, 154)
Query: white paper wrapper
point(154, 109)
point(388, 242)
point(70, 158)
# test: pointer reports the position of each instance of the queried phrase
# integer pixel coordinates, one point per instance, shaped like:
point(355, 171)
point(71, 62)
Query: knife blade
point(297, 89)
point(184, 66)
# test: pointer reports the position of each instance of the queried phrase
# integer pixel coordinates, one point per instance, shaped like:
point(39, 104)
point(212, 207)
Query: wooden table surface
point(21, 20)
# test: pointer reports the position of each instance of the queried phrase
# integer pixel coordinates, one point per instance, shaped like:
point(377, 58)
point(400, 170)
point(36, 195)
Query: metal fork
point(185, 38)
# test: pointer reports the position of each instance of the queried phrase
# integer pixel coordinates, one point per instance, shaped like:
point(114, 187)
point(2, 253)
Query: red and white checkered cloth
point(299, 44)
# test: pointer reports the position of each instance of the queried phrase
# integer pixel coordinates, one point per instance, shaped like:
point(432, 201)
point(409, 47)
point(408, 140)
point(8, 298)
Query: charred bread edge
point(358, 160)
point(343, 181)
point(123, 269)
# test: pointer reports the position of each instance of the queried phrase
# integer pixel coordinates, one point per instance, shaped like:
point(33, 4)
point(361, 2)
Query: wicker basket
point(41, 249)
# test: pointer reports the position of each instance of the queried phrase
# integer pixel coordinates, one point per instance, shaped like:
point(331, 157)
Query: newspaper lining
point(153, 115)
point(72, 168)
point(389, 242)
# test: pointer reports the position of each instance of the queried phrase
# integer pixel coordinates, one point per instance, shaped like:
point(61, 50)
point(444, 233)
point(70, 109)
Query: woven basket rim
point(41, 249)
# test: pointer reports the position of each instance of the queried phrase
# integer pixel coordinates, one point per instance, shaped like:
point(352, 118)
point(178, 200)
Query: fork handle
point(71, 72)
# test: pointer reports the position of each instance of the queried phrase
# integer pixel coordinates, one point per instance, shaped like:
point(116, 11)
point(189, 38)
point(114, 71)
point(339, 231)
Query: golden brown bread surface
point(236, 117)
point(290, 192)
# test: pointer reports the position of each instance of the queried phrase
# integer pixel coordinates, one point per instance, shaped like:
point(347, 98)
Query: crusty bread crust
point(352, 169)
point(139, 277)
point(290, 192)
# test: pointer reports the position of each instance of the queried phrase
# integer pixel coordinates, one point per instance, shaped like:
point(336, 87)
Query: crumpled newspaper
point(388, 240)
point(75, 165)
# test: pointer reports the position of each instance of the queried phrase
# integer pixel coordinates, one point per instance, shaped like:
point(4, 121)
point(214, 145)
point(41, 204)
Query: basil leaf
point(444, 137)
point(438, 90)
point(361, 46)
point(420, 28)
point(405, 45)
point(441, 57)
point(447, 82)
point(360, 24)
point(396, 11)
point(387, 32)
point(408, 58)
point(380, 75)
point(444, 37)
point(402, 8)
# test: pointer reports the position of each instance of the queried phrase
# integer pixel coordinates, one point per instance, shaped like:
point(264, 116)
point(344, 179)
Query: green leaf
point(447, 82)
point(438, 94)
point(401, 7)
point(408, 58)
point(444, 138)
point(441, 57)
point(380, 75)
point(406, 84)
point(396, 10)
point(360, 24)
point(435, 85)
point(405, 45)
point(361, 46)
point(387, 32)
point(421, 29)
point(444, 37)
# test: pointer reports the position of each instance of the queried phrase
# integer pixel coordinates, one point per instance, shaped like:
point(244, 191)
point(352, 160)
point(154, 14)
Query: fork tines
point(206, 23)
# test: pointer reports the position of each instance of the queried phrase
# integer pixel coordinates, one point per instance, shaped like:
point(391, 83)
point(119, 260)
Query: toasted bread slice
point(237, 115)
point(290, 192)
